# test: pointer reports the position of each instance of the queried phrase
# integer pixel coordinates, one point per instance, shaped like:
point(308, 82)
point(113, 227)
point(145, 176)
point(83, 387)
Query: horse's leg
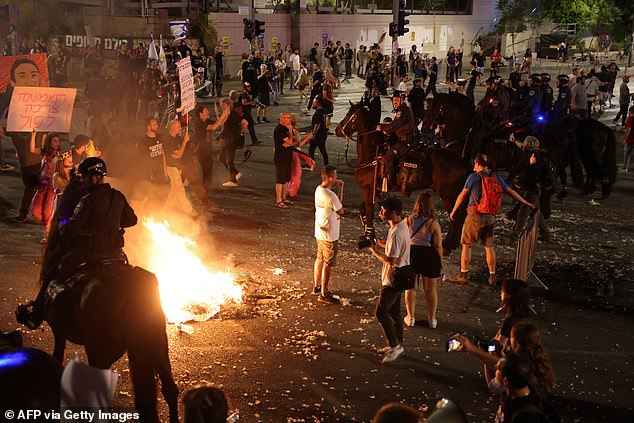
point(143, 381)
point(60, 346)
point(164, 370)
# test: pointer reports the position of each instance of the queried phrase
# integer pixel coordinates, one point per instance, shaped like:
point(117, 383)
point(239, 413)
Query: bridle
point(350, 121)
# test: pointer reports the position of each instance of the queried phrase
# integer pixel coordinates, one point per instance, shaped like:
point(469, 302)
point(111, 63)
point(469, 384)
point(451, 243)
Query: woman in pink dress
point(42, 204)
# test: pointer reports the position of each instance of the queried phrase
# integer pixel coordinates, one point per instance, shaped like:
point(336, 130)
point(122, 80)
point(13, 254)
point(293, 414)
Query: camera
point(485, 345)
point(488, 346)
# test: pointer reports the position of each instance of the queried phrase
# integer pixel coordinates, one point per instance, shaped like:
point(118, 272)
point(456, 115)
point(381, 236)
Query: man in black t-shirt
point(200, 144)
point(250, 74)
point(318, 133)
point(283, 157)
point(318, 79)
point(233, 125)
point(416, 99)
point(247, 102)
point(152, 182)
point(312, 57)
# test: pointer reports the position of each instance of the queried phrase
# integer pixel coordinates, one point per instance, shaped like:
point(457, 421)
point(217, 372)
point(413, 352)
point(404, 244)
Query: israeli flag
point(178, 29)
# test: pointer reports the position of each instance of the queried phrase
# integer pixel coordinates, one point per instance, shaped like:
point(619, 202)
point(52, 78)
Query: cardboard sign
point(324, 41)
point(44, 109)
point(186, 80)
point(274, 43)
point(225, 44)
point(27, 70)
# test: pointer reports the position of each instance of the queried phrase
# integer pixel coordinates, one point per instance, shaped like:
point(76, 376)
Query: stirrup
point(24, 315)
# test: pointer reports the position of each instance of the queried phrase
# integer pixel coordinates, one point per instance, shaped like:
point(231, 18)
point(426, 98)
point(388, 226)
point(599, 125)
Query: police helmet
point(490, 80)
point(536, 77)
point(93, 166)
point(397, 94)
point(545, 77)
point(563, 79)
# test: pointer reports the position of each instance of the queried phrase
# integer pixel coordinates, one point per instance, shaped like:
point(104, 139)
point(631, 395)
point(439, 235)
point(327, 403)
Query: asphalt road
point(291, 359)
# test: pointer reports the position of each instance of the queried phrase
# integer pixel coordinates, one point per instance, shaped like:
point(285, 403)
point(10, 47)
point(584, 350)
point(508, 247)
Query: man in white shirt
point(328, 210)
point(388, 308)
point(295, 68)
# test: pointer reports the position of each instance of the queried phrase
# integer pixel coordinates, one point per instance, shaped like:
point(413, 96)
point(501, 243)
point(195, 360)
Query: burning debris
point(189, 290)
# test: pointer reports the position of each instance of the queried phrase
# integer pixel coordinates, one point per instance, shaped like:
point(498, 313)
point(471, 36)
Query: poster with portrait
point(29, 70)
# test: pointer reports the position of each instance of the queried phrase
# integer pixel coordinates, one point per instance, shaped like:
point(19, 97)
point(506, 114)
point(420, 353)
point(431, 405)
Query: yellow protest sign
point(273, 43)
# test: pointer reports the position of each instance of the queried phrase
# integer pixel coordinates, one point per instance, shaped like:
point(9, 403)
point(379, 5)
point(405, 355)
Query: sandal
point(281, 205)
point(287, 202)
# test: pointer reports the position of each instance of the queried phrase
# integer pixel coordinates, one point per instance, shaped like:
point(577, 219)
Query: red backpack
point(491, 199)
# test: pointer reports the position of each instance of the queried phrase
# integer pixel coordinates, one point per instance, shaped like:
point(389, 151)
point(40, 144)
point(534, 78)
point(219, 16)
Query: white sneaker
point(433, 323)
point(393, 354)
point(230, 184)
point(409, 322)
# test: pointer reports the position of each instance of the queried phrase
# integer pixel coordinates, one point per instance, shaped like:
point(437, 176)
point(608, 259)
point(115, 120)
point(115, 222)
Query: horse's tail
point(147, 345)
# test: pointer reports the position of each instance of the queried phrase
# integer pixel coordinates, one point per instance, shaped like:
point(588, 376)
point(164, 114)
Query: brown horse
point(442, 171)
point(111, 309)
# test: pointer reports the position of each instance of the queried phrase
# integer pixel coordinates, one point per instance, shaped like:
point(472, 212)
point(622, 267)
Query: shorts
point(425, 260)
point(263, 100)
point(478, 226)
point(327, 251)
point(283, 169)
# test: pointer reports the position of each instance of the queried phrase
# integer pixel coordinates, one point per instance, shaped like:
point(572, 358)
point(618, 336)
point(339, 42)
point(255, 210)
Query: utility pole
point(396, 6)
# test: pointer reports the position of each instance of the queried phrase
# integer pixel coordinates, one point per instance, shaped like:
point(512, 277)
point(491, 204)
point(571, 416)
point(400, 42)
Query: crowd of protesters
point(518, 370)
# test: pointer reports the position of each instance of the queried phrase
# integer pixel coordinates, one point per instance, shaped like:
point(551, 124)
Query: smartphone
point(453, 345)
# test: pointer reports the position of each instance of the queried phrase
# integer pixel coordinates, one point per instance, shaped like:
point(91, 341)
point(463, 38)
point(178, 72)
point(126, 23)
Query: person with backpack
point(484, 190)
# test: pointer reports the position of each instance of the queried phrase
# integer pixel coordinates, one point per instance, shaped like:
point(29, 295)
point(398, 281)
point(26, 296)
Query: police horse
point(111, 308)
point(422, 167)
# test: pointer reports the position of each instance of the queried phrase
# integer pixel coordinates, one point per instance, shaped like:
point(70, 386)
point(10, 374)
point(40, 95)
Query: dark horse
point(110, 309)
point(453, 115)
point(441, 170)
point(596, 145)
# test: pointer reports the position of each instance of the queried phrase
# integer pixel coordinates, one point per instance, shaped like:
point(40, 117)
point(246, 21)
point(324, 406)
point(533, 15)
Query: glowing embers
point(189, 290)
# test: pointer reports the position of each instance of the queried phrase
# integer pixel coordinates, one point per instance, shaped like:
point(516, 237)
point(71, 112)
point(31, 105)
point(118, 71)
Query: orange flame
point(188, 289)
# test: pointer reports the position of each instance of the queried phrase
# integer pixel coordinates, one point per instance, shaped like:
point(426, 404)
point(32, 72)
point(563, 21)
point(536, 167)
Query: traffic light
point(258, 27)
point(402, 22)
point(248, 29)
point(393, 29)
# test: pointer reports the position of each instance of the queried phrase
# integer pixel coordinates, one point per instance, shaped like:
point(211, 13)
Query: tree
point(515, 17)
point(586, 14)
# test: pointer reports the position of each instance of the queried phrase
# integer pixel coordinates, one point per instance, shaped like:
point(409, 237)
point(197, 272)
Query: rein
point(353, 119)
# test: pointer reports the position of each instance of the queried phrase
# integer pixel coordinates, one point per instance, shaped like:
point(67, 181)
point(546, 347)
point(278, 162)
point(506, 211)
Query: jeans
point(227, 155)
point(523, 213)
point(388, 313)
point(321, 144)
point(622, 114)
point(249, 118)
point(191, 174)
point(294, 79)
point(627, 154)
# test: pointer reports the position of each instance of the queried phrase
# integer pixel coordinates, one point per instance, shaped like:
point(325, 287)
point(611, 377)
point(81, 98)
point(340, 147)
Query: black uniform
point(402, 129)
point(562, 104)
point(416, 98)
point(495, 105)
point(546, 104)
point(96, 229)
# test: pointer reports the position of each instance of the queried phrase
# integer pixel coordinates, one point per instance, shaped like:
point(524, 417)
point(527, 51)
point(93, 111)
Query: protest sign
point(26, 70)
point(44, 109)
point(186, 80)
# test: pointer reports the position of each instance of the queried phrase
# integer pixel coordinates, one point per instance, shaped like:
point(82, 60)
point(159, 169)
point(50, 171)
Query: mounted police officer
point(563, 103)
point(88, 228)
point(533, 100)
point(95, 232)
point(496, 102)
point(402, 128)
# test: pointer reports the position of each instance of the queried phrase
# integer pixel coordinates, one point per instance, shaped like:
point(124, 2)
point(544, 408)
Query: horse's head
point(434, 115)
point(356, 120)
